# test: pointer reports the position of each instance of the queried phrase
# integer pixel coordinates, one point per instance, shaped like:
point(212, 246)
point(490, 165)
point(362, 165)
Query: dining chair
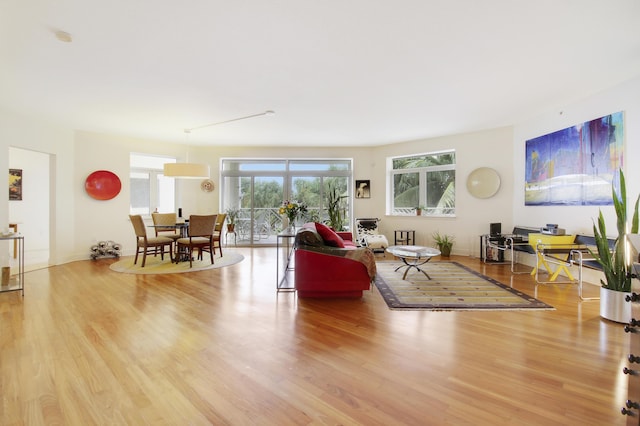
point(201, 230)
point(217, 233)
point(145, 244)
point(168, 219)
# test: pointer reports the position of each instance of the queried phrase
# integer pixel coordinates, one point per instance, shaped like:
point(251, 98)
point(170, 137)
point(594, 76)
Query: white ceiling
point(336, 72)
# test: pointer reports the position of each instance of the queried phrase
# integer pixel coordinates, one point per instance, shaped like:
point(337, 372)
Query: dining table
point(183, 230)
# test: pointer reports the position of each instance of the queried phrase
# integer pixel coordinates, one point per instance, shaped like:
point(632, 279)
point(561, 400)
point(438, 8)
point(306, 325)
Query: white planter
point(614, 307)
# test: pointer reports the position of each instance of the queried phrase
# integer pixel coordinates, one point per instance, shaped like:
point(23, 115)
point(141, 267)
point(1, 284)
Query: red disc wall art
point(102, 185)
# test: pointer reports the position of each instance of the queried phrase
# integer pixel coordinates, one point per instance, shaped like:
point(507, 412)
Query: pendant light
point(196, 170)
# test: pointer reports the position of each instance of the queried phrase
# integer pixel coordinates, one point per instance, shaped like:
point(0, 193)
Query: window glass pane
point(166, 194)
point(319, 165)
point(306, 190)
point(143, 161)
point(425, 160)
point(253, 165)
point(440, 194)
point(406, 188)
point(140, 193)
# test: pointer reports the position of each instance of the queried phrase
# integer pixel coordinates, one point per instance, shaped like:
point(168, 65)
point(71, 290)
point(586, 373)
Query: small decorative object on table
point(291, 209)
point(105, 249)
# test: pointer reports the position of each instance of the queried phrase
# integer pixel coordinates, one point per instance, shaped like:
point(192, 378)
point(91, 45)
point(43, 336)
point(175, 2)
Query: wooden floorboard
point(90, 346)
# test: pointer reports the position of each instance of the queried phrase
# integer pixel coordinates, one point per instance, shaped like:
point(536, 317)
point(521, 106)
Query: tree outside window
point(426, 181)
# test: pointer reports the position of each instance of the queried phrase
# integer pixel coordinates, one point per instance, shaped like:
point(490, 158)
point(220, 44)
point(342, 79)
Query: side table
point(284, 250)
point(404, 237)
point(15, 282)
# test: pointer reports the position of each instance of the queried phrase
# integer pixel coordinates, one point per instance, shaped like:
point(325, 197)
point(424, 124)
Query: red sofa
point(329, 264)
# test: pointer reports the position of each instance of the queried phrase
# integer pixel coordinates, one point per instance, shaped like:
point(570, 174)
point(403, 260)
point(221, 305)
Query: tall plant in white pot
point(616, 264)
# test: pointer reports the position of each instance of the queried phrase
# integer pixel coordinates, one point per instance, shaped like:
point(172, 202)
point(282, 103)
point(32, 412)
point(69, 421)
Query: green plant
point(292, 209)
point(615, 263)
point(232, 215)
point(335, 208)
point(444, 242)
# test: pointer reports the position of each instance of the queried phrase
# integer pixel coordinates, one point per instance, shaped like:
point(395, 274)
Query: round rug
point(155, 265)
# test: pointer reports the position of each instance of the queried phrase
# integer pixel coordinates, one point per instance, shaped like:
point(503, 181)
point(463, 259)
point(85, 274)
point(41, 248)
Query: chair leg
point(211, 251)
point(135, 261)
point(144, 257)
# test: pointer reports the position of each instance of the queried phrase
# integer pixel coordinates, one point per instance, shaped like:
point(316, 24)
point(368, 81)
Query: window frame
point(423, 173)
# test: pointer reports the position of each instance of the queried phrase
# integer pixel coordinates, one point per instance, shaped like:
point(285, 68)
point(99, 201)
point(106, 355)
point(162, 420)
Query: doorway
point(31, 214)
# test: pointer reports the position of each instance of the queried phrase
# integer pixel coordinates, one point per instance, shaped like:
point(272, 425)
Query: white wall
point(578, 219)
point(491, 148)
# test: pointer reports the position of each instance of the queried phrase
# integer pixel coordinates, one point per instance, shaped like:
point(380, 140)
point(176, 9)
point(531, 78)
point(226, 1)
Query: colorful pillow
point(329, 236)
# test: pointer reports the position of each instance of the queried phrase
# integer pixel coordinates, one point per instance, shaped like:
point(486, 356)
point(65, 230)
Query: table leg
point(15, 242)
point(414, 264)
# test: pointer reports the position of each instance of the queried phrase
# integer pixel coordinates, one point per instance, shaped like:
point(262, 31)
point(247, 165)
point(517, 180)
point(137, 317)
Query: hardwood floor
point(90, 346)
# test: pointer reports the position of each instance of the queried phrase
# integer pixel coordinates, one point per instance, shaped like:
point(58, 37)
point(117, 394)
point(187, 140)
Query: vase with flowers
point(291, 210)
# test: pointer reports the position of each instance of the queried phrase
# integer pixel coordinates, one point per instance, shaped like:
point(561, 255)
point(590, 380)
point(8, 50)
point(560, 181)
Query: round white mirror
point(483, 182)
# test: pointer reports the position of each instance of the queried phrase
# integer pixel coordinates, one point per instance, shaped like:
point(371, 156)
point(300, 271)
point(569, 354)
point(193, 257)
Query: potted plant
point(419, 210)
point(232, 216)
point(616, 263)
point(444, 243)
point(335, 208)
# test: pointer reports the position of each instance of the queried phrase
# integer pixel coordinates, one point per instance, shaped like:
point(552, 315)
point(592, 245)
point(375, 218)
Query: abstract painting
point(576, 165)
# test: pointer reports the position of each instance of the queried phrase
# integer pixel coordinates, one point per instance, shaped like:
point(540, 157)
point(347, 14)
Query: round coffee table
point(413, 257)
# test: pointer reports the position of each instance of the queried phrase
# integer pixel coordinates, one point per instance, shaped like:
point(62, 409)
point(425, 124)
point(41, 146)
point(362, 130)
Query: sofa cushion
point(329, 236)
point(307, 236)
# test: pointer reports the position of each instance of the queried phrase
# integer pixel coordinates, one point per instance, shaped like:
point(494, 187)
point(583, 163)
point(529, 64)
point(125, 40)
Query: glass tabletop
point(413, 251)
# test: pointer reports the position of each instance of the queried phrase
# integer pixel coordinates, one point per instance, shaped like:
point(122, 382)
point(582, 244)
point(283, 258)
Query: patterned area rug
point(452, 287)
point(155, 265)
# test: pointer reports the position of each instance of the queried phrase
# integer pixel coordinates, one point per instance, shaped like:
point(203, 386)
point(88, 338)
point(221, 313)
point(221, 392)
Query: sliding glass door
point(257, 189)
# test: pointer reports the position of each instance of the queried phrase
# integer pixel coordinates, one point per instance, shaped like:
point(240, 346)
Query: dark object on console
point(517, 241)
point(328, 264)
point(495, 229)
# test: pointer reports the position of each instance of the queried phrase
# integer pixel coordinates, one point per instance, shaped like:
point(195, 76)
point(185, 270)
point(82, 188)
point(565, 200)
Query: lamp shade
point(186, 170)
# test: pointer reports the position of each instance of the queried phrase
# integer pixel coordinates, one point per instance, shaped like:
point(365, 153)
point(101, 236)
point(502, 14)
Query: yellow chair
point(201, 229)
point(144, 244)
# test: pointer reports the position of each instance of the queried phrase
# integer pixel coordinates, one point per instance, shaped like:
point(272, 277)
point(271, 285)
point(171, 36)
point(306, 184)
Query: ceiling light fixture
point(63, 36)
point(196, 170)
point(269, 112)
point(186, 170)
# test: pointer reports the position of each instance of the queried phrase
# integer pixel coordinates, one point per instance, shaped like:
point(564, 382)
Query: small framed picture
point(15, 184)
point(363, 189)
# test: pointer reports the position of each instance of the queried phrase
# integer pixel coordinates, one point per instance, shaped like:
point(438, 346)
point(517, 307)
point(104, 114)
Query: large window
point(150, 189)
point(257, 189)
point(424, 180)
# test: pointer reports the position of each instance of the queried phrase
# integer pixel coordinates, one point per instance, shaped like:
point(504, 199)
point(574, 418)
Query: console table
point(15, 282)
point(284, 250)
